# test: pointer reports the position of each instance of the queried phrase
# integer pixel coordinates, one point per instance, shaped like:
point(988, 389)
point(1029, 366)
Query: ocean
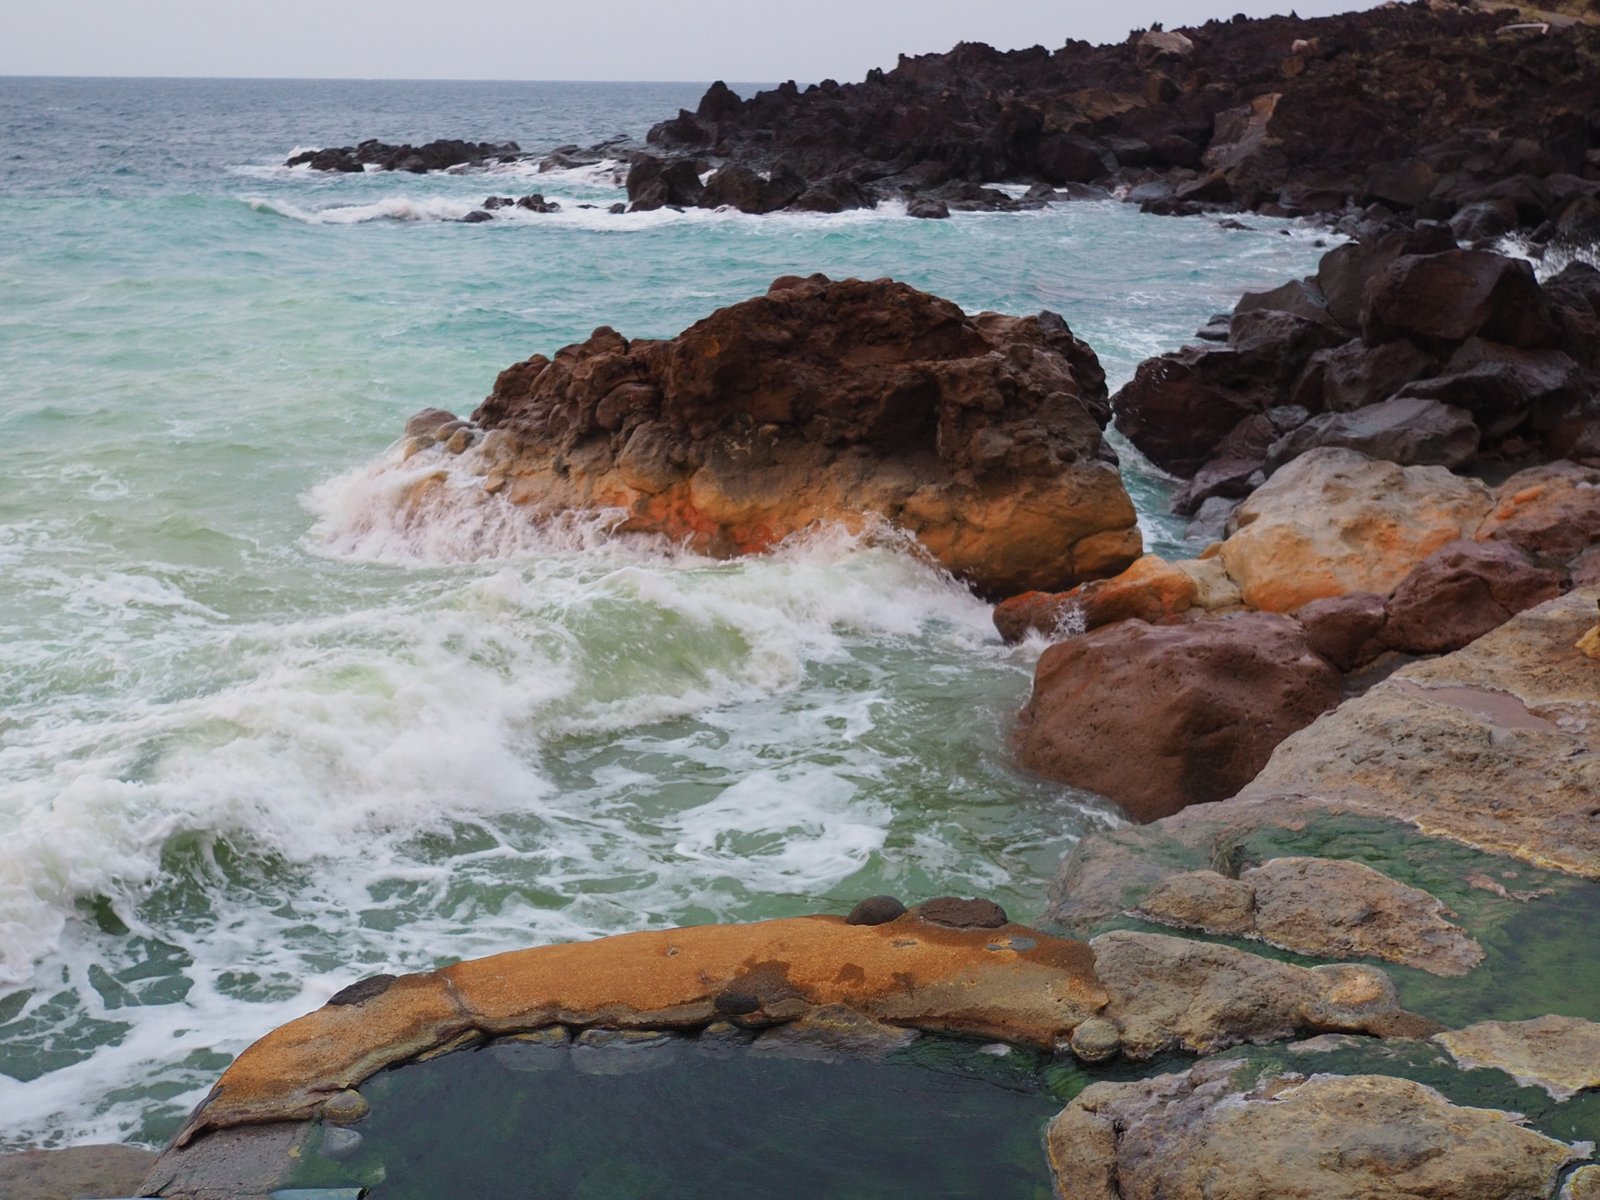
point(260, 736)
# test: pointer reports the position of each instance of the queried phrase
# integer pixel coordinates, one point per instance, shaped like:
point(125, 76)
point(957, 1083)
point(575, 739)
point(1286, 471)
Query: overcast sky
point(539, 39)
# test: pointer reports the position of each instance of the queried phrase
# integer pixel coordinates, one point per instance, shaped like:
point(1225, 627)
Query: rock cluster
point(844, 401)
point(439, 155)
point(1401, 347)
point(1436, 111)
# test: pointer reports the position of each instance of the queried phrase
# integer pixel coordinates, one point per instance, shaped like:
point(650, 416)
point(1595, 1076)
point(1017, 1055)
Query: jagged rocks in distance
point(825, 400)
point(437, 155)
point(1282, 115)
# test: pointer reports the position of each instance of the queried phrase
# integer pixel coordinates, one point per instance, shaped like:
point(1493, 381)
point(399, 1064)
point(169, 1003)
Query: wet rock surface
point(1401, 347)
point(1208, 1131)
point(1160, 717)
point(1324, 908)
point(1559, 1054)
point(826, 401)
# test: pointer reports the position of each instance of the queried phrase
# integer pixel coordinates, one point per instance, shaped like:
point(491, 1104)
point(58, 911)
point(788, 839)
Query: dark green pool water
point(686, 1119)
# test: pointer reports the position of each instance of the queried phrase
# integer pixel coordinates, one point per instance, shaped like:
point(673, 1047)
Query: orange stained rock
point(1011, 983)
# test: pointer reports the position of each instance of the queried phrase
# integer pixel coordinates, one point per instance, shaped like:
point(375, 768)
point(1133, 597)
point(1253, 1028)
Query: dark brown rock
point(962, 914)
point(1355, 375)
point(1441, 300)
point(1346, 630)
point(1408, 430)
point(1160, 717)
point(875, 910)
point(1461, 592)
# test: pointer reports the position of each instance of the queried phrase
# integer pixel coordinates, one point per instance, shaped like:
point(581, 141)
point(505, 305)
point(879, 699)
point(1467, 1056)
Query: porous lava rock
point(1213, 1131)
point(1171, 993)
point(845, 401)
point(1156, 718)
point(1152, 590)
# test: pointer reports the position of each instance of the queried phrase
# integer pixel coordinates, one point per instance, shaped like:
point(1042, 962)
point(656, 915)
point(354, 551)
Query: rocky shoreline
point(1479, 115)
point(1345, 937)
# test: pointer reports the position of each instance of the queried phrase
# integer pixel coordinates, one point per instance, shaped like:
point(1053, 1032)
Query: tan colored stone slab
point(1559, 1054)
point(1496, 745)
point(1365, 1137)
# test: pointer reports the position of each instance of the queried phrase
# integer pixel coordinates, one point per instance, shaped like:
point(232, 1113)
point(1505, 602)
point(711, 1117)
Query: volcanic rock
point(821, 401)
point(1160, 717)
point(1346, 630)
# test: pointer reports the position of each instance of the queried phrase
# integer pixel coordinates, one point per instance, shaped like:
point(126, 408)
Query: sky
point(543, 39)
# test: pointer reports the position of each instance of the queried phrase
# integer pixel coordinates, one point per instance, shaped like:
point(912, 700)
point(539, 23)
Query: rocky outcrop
point(1286, 116)
point(1559, 1054)
point(1160, 717)
point(438, 155)
point(949, 966)
point(1401, 347)
point(1322, 908)
point(825, 401)
point(1494, 746)
point(1211, 1131)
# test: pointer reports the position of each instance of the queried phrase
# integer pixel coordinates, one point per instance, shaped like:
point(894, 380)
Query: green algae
point(1536, 927)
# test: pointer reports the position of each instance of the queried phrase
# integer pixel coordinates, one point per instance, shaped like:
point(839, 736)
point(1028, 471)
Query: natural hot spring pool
point(640, 1118)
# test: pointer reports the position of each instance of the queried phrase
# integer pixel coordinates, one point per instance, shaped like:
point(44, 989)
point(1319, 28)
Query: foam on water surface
point(267, 726)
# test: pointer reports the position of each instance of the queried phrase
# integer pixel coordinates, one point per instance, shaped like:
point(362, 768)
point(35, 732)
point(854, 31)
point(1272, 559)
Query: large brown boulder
point(849, 401)
point(1160, 717)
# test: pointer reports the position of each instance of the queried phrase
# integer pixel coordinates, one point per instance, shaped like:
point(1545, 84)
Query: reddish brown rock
point(848, 401)
point(1461, 592)
point(991, 980)
point(1160, 717)
point(1552, 512)
point(1152, 590)
point(1346, 630)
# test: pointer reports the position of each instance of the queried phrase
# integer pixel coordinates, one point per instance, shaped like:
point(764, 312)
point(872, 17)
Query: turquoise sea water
point(259, 737)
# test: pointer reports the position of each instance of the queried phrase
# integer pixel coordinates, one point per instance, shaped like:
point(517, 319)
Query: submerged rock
point(1160, 717)
point(1559, 1054)
point(1210, 1132)
point(830, 401)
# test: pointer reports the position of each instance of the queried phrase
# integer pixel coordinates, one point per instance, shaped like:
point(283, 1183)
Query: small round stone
point(1096, 1040)
point(875, 910)
point(339, 1143)
point(962, 914)
point(345, 1108)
